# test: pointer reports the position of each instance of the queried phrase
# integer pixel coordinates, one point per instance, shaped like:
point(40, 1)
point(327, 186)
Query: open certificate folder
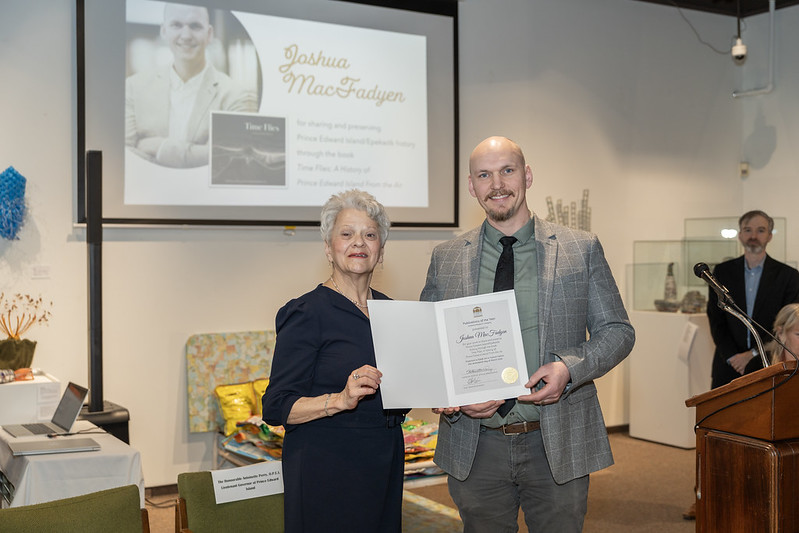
point(449, 353)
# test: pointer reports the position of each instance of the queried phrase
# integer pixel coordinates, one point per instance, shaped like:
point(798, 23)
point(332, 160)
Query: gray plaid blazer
point(577, 300)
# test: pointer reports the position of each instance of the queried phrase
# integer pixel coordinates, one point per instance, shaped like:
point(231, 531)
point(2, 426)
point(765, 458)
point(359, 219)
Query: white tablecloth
point(43, 478)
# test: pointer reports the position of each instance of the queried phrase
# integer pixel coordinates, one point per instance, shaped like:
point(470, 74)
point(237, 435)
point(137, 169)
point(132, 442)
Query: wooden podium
point(747, 453)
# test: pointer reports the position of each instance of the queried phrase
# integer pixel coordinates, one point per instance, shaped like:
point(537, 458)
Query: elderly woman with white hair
point(342, 452)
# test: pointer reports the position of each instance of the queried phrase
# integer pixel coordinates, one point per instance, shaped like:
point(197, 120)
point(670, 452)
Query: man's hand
point(555, 377)
point(740, 360)
point(482, 410)
point(446, 410)
point(476, 410)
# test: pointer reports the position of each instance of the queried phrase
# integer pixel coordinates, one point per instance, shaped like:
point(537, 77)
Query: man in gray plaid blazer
point(574, 328)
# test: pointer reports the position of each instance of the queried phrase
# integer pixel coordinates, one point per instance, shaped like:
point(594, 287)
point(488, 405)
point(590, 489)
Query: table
point(43, 478)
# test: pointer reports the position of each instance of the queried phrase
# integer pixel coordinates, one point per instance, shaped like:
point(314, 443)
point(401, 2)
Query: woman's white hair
point(354, 199)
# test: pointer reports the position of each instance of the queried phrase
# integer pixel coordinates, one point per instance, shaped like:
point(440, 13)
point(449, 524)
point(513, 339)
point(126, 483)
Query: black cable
point(166, 504)
point(696, 32)
point(742, 400)
point(81, 432)
point(738, 16)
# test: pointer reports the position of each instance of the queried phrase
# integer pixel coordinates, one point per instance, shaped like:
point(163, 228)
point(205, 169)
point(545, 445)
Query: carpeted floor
point(423, 515)
point(645, 491)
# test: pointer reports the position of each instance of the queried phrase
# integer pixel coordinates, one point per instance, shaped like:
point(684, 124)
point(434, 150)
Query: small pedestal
point(113, 418)
point(662, 375)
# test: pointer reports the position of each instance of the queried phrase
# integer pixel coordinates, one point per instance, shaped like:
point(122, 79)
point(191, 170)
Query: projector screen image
point(256, 112)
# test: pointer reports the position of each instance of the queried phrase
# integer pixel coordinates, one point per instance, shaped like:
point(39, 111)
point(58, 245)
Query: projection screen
point(254, 112)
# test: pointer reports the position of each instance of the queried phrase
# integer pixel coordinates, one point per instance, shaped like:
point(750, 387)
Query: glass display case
point(654, 260)
point(726, 228)
point(663, 268)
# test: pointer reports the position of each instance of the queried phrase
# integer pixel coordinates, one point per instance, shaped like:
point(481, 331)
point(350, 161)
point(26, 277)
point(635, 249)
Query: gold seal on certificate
point(510, 375)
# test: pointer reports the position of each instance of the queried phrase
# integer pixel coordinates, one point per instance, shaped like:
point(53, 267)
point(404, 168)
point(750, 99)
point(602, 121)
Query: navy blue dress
point(344, 472)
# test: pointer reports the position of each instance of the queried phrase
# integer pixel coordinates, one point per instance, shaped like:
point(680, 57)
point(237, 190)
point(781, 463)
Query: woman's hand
point(361, 382)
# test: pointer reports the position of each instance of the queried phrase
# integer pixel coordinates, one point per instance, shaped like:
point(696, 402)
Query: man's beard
point(754, 248)
point(501, 216)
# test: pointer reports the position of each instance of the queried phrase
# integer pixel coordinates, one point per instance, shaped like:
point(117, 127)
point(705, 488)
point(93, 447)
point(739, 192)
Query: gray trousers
point(512, 470)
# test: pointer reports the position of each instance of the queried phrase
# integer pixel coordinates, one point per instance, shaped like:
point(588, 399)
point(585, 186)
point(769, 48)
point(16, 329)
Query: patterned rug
point(422, 515)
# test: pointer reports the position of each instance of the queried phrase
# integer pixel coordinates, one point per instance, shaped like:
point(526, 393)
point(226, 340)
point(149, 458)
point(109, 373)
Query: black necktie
point(503, 276)
point(503, 280)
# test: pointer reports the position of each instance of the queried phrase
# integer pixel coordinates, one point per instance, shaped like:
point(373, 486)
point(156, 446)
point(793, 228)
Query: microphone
point(701, 270)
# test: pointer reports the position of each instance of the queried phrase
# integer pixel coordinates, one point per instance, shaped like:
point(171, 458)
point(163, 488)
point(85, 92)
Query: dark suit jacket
point(576, 295)
point(779, 285)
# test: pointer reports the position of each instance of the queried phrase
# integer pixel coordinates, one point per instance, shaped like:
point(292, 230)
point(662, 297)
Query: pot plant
point(18, 314)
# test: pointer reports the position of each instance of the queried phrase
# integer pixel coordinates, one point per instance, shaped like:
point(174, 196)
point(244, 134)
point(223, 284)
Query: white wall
point(614, 96)
point(770, 133)
point(617, 97)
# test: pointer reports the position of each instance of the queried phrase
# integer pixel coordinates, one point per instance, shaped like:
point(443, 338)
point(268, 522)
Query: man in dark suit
point(759, 285)
point(574, 329)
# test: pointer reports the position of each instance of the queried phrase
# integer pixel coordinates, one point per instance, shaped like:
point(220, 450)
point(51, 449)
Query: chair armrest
point(145, 521)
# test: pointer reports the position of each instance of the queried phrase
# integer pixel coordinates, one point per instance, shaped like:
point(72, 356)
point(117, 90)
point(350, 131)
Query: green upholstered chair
point(198, 512)
point(118, 510)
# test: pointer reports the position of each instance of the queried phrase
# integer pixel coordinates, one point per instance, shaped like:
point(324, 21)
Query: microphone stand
point(740, 315)
point(726, 303)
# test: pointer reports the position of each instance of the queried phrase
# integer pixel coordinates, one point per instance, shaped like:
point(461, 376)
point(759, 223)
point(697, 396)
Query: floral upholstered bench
point(216, 362)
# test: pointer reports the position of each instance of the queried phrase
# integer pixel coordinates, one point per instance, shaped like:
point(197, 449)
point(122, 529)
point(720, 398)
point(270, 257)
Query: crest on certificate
point(477, 311)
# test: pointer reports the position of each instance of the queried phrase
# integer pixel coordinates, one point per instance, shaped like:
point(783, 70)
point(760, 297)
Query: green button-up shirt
point(525, 284)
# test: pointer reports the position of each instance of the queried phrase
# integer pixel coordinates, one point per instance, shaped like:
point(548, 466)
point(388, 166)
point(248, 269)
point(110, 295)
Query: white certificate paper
point(450, 353)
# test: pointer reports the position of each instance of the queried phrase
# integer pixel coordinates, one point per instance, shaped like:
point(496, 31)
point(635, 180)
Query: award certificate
point(449, 353)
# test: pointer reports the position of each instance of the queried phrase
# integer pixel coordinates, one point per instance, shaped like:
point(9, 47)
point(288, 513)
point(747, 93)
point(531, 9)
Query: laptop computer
point(39, 447)
point(65, 415)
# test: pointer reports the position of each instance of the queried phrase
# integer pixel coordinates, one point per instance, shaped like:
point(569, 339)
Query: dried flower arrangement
point(21, 312)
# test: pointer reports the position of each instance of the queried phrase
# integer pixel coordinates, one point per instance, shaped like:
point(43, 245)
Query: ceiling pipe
point(770, 85)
